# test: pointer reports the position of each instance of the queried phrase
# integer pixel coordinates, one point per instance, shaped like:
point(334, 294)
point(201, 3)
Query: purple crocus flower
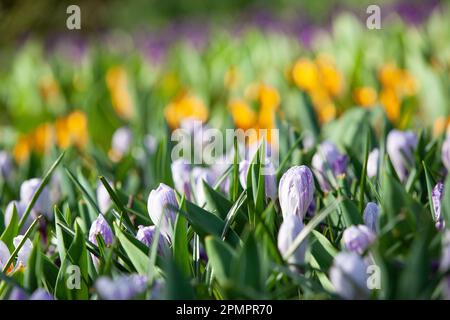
point(371, 216)
point(400, 146)
point(41, 294)
point(436, 197)
point(101, 227)
point(103, 199)
point(296, 191)
point(124, 287)
point(373, 163)
point(289, 230)
point(270, 179)
point(357, 238)
point(6, 165)
point(122, 140)
point(146, 235)
point(180, 175)
point(4, 254)
point(43, 204)
point(348, 276)
point(150, 143)
point(162, 207)
point(328, 158)
point(200, 175)
point(446, 152)
point(18, 294)
point(20, 207)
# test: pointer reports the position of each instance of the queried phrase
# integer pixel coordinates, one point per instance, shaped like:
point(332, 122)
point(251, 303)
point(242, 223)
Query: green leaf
point(206, 223)
point(11, 230)
point(136, 251)
point(180, 246)
point(221, 257)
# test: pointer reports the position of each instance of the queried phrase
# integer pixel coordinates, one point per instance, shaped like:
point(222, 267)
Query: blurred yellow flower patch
point(117, 83)
point(185, 106)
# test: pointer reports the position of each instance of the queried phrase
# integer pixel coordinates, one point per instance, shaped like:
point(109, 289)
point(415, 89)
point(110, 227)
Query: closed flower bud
point(180, 175)
point(18, 294)
point(162, 207)
point(296, 191)
point(446, 152)
point(371, 216)
point(400, 146)
point(373, 163)
point(146, 236)
point(289, 230)
point(6, 165)
point(200, 175)
point(358, 238)
point(24, 252)
point(43, 204)
point(436, 196)
point(150, 143)
point(348, 276)
point(328, 159)
point(101, 227)
point(4, 254)
point(20, 207)
point(270, 178)
point(124, 287)
point(103, 199)
point(121, 141)
point(41, 294)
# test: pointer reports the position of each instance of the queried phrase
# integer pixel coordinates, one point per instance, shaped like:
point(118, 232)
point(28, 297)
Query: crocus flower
point(6, 165)
point(146, 236)
point(444, 264)
point(289, 230)
point(373, 163)
point(150, 143)
point(446, 152)
point(103, 199)
point(328, 158)
point(348, 276)
point(41, 294)
point(400, 146)
point(18, 294)
point(296, 191)
point(180, 175)
point(22, 255)
point(124, 287)
point(43, 204)
point(371, 216)
point(24, 252)
point(436, 196)
point(101, 227)
point(162, 207)
point(20, 207)
point(357, 238)
point(270, 178)
point(4, 254)
point(121, 141)
point(200, 175)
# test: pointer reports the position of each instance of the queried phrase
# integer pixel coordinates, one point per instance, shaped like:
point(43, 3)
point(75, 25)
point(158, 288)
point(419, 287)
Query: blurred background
point(147, 65)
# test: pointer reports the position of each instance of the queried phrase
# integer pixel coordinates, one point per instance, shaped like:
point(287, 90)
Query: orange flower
point(365, 96)
point(117, 82)
point(391, 103)
point(441, 124)
point(183, 107)
point(330, 76)
point(43, 137)
point(244, 117)
point(72, 130)
point(305, 74)
point(22, 149)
